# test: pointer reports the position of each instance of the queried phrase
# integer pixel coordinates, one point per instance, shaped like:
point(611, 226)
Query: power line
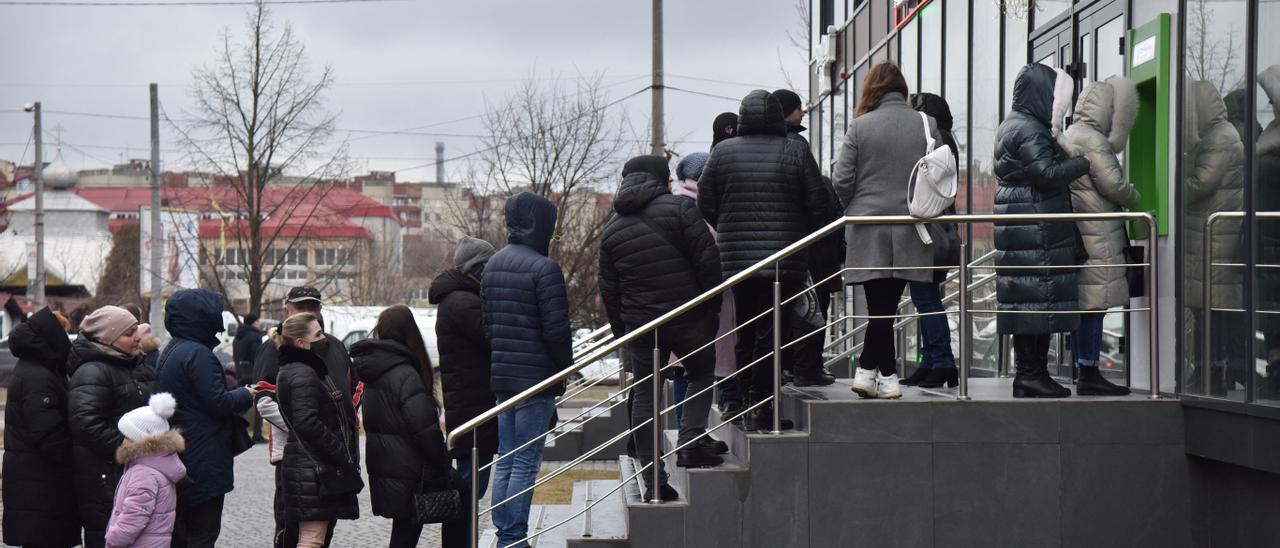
point(703, 93)
point(730, 82)
point(55, 3)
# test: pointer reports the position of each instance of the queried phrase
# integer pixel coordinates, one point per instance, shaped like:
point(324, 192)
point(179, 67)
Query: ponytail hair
point(295, 327)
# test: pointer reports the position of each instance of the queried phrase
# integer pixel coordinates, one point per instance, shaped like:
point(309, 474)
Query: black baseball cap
point(303, 293)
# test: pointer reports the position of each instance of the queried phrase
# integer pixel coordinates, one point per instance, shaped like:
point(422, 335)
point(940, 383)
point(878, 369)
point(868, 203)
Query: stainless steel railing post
point(1206, 349)
point(777, 352)
point(901, 335)
point(656, 381)
point(1153, 304)
point(965, 328)
point(475, 493)
point(1002, 360)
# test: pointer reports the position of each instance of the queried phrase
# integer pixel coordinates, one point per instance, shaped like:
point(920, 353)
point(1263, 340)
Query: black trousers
point(198, 526)
point(883, 296)
point(1031, 353)
point(405, 533)
point(755, 340)
point(699, 369)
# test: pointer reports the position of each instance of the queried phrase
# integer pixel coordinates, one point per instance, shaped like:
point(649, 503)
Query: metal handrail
point(805, 242)
point(1206, 288)
point(599, 351)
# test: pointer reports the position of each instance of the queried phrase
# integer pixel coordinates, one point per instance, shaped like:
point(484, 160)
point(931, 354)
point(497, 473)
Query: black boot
point(730, 411)
point(1037, 385)
point(939, 376)
point(815, 378)
point(761, 420)
point(716, 446)
point(668, 492)
point(697, 455)
point(920, 374)
point(1092, 383)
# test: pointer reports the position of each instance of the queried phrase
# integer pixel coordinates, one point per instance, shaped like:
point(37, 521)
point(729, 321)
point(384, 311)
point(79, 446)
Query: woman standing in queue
point(321, 462)
point(884, 142)
point(405, 450)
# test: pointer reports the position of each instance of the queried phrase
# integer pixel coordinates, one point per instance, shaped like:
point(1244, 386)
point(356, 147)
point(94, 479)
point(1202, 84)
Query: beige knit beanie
point(106, 324)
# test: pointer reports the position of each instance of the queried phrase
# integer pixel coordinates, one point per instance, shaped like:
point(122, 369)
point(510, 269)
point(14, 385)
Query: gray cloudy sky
point(399, 65)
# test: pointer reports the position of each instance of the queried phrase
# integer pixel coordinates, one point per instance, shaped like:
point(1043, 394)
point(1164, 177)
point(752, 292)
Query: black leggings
point(883, 296)
point(405, 533)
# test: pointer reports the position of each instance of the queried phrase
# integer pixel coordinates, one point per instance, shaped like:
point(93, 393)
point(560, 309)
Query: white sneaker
point(864, 382)
point(887, 387)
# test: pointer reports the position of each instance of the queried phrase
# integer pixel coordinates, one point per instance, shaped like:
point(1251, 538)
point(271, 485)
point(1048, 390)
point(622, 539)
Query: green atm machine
point(1148, 153)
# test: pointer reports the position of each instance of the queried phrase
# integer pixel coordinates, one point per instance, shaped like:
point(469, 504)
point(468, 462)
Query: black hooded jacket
point(103, 388)
point(405, 449)
point(1035, 175)
point(39, 500)
point(762, 191)
point(464, 357)
point(656, 254)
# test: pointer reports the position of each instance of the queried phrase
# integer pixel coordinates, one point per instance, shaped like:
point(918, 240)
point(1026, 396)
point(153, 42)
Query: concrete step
point(607, 519)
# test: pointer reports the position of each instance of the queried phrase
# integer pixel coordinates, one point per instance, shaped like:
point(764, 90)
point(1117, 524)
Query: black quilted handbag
point(437, 506)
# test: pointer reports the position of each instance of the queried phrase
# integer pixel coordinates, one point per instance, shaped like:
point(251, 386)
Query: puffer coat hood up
point(1104, 116)
point(531, 221)
point(195, 315)
point(464, 366)
point(656, 254)
point(1035, 174)
point(1267, 156)
point(761, 114)
point(1213, 180)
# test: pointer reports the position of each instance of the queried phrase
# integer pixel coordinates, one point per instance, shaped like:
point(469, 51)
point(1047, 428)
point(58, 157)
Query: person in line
point(1035, 175)
point(405, 451)
point(1104, 115)
point(884, 141)
point(725, 126)
point(106, 382)
point(761, 192)
point(146, 501)
point(1267, 154)
point(464, 354)
point(526, 314)
point(657, 253)
point(266, 366)
point(688, 171)
point(803, 365)
point(206, 412)
point(938, 364)
point(322, 449)
point(243, 351)
point(39, 498)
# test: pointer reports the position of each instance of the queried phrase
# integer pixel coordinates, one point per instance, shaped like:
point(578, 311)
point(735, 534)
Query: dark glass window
point(930, 21)
point(861, 34)
point(879, 20)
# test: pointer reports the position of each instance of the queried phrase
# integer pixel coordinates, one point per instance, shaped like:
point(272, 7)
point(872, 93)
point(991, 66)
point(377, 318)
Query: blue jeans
point(517, 472)
point(1086, 340)
point(935, 331)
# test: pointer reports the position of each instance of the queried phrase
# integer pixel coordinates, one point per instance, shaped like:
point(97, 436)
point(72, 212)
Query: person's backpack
point(931, 186)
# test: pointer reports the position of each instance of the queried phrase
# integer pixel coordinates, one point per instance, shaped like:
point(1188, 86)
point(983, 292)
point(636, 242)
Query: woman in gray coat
point(1104, 116)
point(883, 143)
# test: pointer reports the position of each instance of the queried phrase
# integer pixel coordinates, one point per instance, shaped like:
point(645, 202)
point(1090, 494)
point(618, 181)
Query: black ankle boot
point(816, 378)
point(1092, 383)
point(920, 374)
point(761, 420)
point(697, 456)
point(668, 492)
point(716, 446)
point(939, 376)
point(1037, 384)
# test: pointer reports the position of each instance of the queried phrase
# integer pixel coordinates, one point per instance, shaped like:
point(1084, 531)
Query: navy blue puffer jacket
point(1035, 176)
point(190, 371)
point(526, 305)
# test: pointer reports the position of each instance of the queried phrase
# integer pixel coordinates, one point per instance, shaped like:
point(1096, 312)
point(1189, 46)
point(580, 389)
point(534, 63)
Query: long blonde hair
point(295, 327)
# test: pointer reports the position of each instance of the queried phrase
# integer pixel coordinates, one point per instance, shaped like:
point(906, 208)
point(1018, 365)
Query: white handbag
point(931, 187)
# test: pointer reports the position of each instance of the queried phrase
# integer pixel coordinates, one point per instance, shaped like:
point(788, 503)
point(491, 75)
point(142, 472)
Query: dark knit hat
point(725, 121)
point(654, 165)
point(936, 107)
point(250, 319)
point(789, 99)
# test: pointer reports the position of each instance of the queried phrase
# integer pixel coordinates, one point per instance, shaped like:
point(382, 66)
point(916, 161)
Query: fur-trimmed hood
point(170, 443)
point(1109, 107)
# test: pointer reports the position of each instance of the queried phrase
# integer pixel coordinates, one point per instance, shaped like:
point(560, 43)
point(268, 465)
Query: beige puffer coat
point(1213, 180)
point(1104, 117)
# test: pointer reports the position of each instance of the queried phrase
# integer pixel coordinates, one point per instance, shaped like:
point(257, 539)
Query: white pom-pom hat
point(150, 420)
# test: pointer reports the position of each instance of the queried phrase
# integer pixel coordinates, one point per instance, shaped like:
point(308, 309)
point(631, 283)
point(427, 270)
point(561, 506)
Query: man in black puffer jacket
point(762, 192)
point(656, 254)
point(464, 353)
point(1035, 176)
point(39, 499)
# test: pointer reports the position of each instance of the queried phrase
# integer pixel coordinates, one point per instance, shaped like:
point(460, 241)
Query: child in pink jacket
point(146, 499)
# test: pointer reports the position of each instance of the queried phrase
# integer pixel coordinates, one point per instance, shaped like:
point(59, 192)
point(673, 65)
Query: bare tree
point(563, 146)
point(1208, 58)
point(798, 34)
point(259, 114)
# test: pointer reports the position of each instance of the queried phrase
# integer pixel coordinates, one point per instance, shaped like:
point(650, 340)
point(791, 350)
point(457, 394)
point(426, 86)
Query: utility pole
point(37, 285)
point(157, 240)
point(659, 146)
